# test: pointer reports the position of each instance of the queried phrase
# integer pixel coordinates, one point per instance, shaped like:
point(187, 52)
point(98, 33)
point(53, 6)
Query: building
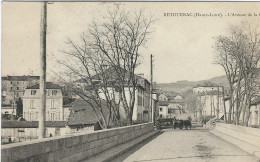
point(210, 104)
point(21, 131)
point(8, 109)
point(254, 119)
point(85, 117)
point(155, 105)
point(206, 87)
point(163, 109)
point(54, 100)
point(142, 110)
point(13, 87)
point(163, 97)
point(209, 100)
point(171, 105)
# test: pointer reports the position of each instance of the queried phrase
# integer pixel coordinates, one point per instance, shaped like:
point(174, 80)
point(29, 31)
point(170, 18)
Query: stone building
point(84, 117)
point(54, 101)
point(13, 87)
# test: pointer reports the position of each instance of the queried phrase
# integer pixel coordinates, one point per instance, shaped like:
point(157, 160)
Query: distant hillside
point(182, 87)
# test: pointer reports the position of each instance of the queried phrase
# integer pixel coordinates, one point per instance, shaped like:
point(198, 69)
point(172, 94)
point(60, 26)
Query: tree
point(238, 53)
point(190, 100)
point(19, 110)
point(119, 40)
point(105, 60)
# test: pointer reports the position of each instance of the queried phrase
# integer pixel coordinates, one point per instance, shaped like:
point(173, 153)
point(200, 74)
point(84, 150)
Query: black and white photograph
point(130, 81)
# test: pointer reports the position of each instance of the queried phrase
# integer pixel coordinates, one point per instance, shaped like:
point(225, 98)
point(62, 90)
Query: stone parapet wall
point(246, 134)
point(73, 147)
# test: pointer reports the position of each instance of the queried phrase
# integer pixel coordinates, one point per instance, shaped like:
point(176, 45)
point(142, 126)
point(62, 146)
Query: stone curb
point(254, 150)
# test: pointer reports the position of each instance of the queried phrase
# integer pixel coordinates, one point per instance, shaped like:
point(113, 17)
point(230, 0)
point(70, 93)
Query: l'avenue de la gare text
point(201, 14)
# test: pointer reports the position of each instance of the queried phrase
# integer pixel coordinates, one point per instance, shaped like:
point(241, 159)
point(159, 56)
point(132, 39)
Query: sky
point(182, 46)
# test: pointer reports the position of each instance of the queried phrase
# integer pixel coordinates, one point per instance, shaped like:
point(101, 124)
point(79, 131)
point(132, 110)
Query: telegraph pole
point(218, 104)
point(43, 69)
point(152, 109)
point(13, 107)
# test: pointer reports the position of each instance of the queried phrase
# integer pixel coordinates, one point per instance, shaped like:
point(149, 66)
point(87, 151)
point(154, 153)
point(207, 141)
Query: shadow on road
point(185, 157)
point(131, 151)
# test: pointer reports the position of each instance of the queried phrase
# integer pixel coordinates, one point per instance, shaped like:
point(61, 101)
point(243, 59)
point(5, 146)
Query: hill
point(183, 87)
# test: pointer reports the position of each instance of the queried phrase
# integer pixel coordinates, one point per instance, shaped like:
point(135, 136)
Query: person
point(204, 123)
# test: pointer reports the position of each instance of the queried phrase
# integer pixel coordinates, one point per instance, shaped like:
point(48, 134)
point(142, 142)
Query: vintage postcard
point(130, 81)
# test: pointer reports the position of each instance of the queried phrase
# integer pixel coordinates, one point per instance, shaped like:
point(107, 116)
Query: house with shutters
point(54, 100)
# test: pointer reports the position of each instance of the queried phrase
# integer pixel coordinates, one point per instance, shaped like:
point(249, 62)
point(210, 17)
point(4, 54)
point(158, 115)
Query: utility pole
point(218, 104)
point(43, 69)
point(13, 107)
point(224, 104)
point(152, 109)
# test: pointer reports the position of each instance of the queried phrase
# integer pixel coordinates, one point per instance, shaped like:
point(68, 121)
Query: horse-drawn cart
point(182, 121)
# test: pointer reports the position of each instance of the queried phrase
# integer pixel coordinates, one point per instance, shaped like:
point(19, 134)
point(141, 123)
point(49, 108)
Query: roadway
point(188, 146)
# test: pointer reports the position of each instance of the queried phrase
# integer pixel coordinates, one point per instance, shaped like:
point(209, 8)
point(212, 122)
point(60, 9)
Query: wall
point(246, 134)
point(83, 129)
point(28, 134)
point(73, 147)
point(164, 112)
point(8, 110)
point(138, 110)
point(254, 115)
point(198, 90)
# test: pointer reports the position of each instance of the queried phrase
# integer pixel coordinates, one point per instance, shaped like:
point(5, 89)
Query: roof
point(256, 101)
point(21, 78)
point(211, 93)
point(163, 103)
point(207, 84)
point(7, 106)
point(82, 113)
point(171, 95)
point(49, 85)
point(31, 124)
point(111, 75)
point(227, 98)
point(177, 101)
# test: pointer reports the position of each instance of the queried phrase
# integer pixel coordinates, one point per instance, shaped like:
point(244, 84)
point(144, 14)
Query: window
point(11, 88)
point(52, 116)
point(11, 82)
point(33, 92)
point(52, 104)
point(139, 101)
point(54, 92)
point(160, 115)
point(17, 88)
point(160, 109)
point(31, 104)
